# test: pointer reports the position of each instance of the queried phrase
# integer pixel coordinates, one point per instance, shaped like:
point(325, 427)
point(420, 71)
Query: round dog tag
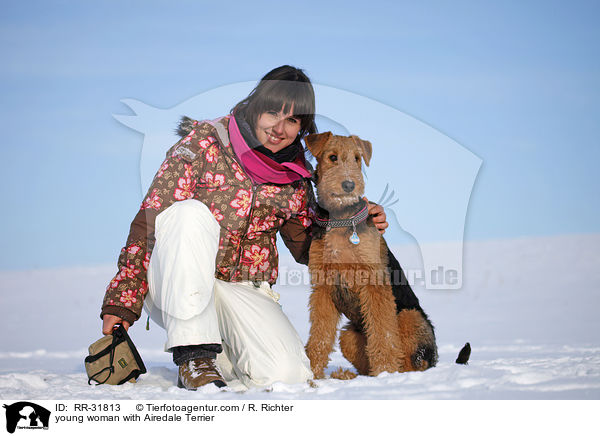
point(354, 238)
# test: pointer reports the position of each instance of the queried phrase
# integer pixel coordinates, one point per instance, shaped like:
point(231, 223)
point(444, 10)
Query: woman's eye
point(293, 120)
point(333, 158)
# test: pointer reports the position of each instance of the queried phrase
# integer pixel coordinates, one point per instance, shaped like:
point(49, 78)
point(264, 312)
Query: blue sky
point(516, 83)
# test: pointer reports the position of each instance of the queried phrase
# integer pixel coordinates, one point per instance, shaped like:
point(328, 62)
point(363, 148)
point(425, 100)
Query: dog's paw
point(343, 374)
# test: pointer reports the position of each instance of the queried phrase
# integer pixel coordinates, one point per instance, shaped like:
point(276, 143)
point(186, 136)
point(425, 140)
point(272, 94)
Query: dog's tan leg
point(383, 341)
point(324, 318)
point(354, 348)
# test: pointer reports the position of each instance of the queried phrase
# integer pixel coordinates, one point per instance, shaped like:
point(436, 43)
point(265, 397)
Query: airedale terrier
point(353, 273)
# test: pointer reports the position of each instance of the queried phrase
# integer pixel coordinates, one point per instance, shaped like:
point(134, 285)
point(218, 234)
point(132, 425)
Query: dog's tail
point(464, 354)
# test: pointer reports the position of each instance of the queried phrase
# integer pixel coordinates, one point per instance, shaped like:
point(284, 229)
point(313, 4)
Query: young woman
point(201, 253)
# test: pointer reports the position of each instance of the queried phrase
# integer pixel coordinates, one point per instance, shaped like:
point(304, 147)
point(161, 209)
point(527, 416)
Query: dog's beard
point(335, 201)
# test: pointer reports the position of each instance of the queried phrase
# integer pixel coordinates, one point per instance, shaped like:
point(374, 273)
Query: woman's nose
point(278, 128)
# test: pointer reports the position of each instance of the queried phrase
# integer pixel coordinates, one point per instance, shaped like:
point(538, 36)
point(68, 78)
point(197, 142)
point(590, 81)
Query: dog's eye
point(333, 157)
point(357, 157)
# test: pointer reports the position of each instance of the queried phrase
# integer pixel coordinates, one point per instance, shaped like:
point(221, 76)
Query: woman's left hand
point(378, 214)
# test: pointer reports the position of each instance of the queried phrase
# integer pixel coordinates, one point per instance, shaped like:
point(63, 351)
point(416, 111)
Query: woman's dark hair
point(282, 87)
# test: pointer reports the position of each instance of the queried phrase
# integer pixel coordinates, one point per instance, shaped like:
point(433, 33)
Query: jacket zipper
point(249, 220)
point(252, 197)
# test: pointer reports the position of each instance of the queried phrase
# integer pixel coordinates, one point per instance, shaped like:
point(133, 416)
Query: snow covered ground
point(528, 307)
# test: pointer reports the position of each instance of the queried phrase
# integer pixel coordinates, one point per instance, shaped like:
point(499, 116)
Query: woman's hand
point(109, 322)
point(378, 214)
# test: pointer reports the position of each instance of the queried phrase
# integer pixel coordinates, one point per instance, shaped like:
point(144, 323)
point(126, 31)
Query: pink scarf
point(259, 167)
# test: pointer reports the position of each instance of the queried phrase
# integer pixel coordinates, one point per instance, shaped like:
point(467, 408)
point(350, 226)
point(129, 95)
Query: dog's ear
point(316, 141)
point(365, 146)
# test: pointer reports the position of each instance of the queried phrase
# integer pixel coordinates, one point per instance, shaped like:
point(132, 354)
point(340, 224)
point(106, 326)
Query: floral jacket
point(203, 167)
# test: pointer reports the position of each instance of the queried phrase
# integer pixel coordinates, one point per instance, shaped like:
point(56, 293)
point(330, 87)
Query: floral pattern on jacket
point(200, 167)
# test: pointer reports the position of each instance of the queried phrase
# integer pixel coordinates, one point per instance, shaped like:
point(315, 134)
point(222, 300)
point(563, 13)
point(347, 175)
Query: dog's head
point(339, 179)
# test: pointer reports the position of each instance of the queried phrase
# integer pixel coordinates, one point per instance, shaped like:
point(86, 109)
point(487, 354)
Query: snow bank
point(528, 307)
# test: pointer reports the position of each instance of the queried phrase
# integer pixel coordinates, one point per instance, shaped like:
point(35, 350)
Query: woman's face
point(277, 130)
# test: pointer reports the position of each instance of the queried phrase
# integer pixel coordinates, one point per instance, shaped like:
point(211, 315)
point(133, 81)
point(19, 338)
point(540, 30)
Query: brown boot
point(199, 372)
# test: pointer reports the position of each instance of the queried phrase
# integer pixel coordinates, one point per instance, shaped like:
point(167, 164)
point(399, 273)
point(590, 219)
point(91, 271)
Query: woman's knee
point(187, 217)
point(190, 211)
point(289, 369)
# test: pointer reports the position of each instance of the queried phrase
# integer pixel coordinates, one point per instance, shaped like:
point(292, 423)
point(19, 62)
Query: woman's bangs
point(275, 95)
point(285, 94)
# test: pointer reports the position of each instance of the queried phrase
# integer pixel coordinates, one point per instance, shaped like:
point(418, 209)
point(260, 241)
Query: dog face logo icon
point(25, 415)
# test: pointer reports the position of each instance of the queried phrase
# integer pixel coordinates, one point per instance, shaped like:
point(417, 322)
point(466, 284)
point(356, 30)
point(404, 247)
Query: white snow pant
point(260, 345)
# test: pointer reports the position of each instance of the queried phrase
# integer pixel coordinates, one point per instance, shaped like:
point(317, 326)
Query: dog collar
point(355, 219)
